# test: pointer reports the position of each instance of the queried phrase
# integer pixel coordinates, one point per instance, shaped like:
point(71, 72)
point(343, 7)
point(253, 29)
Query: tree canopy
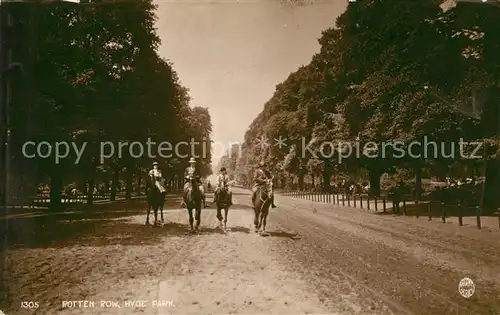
point(93, 75)
point(387, 71)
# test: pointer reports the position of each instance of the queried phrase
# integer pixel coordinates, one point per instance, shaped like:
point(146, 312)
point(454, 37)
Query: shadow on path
point(292, 236)
point(239, 229)
point(122, 224)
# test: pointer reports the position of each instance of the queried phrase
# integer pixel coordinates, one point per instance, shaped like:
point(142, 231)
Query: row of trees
point(92, 74)
point(388, 71)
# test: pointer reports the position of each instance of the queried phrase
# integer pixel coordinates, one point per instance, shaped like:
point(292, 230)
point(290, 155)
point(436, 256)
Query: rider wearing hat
point(261, 174)
point(157, 176)
point(221, 181)
point(191, 172)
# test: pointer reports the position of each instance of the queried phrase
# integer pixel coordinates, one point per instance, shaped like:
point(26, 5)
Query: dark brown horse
point(155, 198)
point(193, 201)
point(222, 202)
point(261, 206)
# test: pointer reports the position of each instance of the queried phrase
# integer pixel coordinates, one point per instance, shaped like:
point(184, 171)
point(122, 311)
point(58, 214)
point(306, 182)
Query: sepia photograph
point(249, 157)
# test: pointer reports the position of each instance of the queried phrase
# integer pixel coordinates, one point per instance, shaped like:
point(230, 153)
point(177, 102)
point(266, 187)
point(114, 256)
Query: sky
point(231, 54)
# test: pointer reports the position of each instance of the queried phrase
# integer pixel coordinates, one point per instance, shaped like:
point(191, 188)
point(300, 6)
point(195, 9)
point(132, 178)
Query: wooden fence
point(43, 200)
point(406, 206)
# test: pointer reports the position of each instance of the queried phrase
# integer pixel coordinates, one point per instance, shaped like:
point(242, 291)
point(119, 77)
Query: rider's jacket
point(156, 173)
point(221, 178)
point(259, 177)
point(159, 180)
point(192, 172)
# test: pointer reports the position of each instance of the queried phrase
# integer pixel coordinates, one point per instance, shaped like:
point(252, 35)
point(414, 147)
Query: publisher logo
point(466, 287)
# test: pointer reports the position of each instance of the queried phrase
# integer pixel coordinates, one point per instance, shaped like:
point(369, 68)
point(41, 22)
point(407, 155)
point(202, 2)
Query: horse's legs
point(226, 210)
point(198, 216)
point(149, 210)
point(156, 214)
point(219, 213)
point(256, 220)
point(264, 220)
point(190, 213)
point(162, 204)
point(261, 216)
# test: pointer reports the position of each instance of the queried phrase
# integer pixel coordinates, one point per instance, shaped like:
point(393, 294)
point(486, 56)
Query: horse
point(193, 200)
point(222, 202)
point(261, 205)
point(156, 200)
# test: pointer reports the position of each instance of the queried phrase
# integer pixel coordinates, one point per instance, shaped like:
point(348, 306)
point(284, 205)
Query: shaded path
point(317, 259)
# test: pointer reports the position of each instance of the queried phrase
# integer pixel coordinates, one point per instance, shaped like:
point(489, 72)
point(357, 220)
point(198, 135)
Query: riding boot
point(254, 195)
point(272, 202)
point(230, 198)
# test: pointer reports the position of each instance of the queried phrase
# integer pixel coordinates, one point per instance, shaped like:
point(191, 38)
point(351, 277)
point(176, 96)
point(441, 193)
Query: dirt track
point(318, 259)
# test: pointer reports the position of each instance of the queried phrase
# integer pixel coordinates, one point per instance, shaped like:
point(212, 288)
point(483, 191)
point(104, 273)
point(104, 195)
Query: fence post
point(384, 204)
point(478, 217)
point(361, 201)
point(354, 199)
point(429, 210)
point(443, 212)
point(343, 199)
point(348, 200)
point(498, 213)
point(368, 202)
point(404, 205)
point(376, 204)
point(459, 212)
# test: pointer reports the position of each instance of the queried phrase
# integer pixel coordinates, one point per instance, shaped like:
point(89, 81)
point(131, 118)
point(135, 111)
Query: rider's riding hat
point(223, 169)
point(192, 160)
point(155, 163)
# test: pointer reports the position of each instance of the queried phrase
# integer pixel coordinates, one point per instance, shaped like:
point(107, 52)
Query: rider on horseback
point(191, 172)
point(261, 175)
point(222, 182)
point(157, 177)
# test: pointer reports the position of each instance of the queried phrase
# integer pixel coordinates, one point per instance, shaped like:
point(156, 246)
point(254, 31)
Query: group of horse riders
point(222, 181)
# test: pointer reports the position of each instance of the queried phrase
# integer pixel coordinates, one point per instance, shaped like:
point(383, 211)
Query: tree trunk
point(114, 183)
point(418, 183)
point(139, 183)
point(490, 200)
point(91, 183)
point(489, 100)
point(374, 176)
point(90, 194)
point(56, 184)
point(129, 180)
point(327, 174)
point(106, 186)
point(301, 181)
